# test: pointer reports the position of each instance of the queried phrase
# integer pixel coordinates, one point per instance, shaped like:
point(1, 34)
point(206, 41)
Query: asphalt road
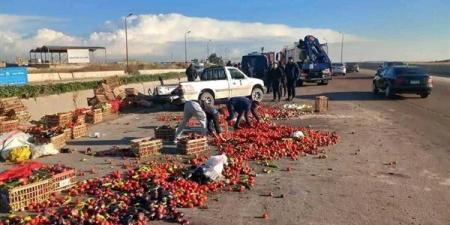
point(391, 165)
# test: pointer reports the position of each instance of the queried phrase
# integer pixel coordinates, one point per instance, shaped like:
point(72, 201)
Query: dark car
point(402, 79)
point(255, 65)
point(387, 65)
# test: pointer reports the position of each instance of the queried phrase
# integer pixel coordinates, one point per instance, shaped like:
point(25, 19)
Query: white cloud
point(159, 37)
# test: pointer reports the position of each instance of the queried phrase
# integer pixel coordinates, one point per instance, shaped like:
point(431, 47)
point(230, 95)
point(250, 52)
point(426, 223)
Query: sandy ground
point(354, 185)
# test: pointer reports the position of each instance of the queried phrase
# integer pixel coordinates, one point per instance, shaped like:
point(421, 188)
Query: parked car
point(352, 67)
point(338, 68)
point(218, 82)
point(403, 79)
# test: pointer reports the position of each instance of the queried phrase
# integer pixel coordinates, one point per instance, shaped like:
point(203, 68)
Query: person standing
point(276, 75)
point(191, 73)
point(191, 109)
point(292, 75)
point(283, 86)
point(242, 106)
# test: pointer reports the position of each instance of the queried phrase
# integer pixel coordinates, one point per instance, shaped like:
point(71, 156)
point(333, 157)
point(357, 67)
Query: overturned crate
point(145, 147)
point(18, 198)
point(79, 131)
point(193, 145)
point(166, 133)
point(321, 104)
point(8, 125)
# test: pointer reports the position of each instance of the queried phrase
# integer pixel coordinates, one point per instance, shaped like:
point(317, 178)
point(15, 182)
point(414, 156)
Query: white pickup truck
point(215, 83)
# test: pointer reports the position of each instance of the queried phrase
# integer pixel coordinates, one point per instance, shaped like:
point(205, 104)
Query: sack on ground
point(11, 140)
point(43, 150)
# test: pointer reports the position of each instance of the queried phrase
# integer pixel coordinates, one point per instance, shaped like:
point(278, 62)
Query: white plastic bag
point(43, 150)
point(11, 140)
point(298, 135)
point(213, 167)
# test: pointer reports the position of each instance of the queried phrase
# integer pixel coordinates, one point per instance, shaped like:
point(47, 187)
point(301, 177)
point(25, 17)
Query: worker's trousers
point(291, 88)
point(192, 109)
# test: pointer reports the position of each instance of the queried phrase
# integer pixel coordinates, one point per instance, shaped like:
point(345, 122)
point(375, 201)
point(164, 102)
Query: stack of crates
point(79, 131)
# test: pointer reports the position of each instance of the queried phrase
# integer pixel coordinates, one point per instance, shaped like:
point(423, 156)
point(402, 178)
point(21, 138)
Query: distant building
point(48, 54)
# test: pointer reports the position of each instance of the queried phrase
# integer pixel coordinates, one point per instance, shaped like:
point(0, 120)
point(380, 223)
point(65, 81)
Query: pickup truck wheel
point(257, 94)
point(207, 97)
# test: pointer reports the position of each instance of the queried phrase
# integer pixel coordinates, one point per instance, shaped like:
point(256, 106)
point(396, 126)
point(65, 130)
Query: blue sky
point(383, 21)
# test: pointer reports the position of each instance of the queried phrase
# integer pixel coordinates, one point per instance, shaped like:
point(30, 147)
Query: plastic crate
point(94, 117)
point(13, 103)
point(165, 133)
point(59, 120)
point(189, 146)
point(58, 141)
point(145, 147)
point(67, 134)
point(18, 198)
point(63, 181)
point(79, 131)
point(79, 119)
point(8, 125)
point(321, 104)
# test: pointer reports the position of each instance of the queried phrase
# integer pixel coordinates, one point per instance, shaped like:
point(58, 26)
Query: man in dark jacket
point(212, 120)
point(242, 106)
point(276, 75)
point(283, 85)
point(292, 75)
point(191, 73)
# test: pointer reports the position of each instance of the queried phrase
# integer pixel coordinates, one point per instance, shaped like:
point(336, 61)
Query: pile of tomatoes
point(154, 191)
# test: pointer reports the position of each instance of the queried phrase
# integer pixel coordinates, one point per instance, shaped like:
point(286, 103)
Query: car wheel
point(207, 97)
point(424, 95)
point(257, 94)
point(375, 89)
point(389, 92)
point(299, 83)
point(343, 74)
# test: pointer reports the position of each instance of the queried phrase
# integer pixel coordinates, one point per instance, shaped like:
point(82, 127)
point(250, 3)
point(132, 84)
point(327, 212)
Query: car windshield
point(409, 71)
point(337, 64)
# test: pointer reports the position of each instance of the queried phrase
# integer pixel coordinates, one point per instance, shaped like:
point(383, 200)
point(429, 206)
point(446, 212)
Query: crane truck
point(312, 59)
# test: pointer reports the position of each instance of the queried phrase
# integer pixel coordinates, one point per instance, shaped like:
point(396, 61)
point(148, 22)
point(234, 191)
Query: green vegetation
point(31, 91)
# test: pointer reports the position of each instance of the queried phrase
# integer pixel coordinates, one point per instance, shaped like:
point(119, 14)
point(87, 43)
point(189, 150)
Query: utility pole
point(185, 46)
point(342, 47)
point(126, 40)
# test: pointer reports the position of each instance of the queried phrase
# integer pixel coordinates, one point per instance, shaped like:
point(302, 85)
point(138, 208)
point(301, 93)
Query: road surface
point(391, 165)
point(356, 184)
